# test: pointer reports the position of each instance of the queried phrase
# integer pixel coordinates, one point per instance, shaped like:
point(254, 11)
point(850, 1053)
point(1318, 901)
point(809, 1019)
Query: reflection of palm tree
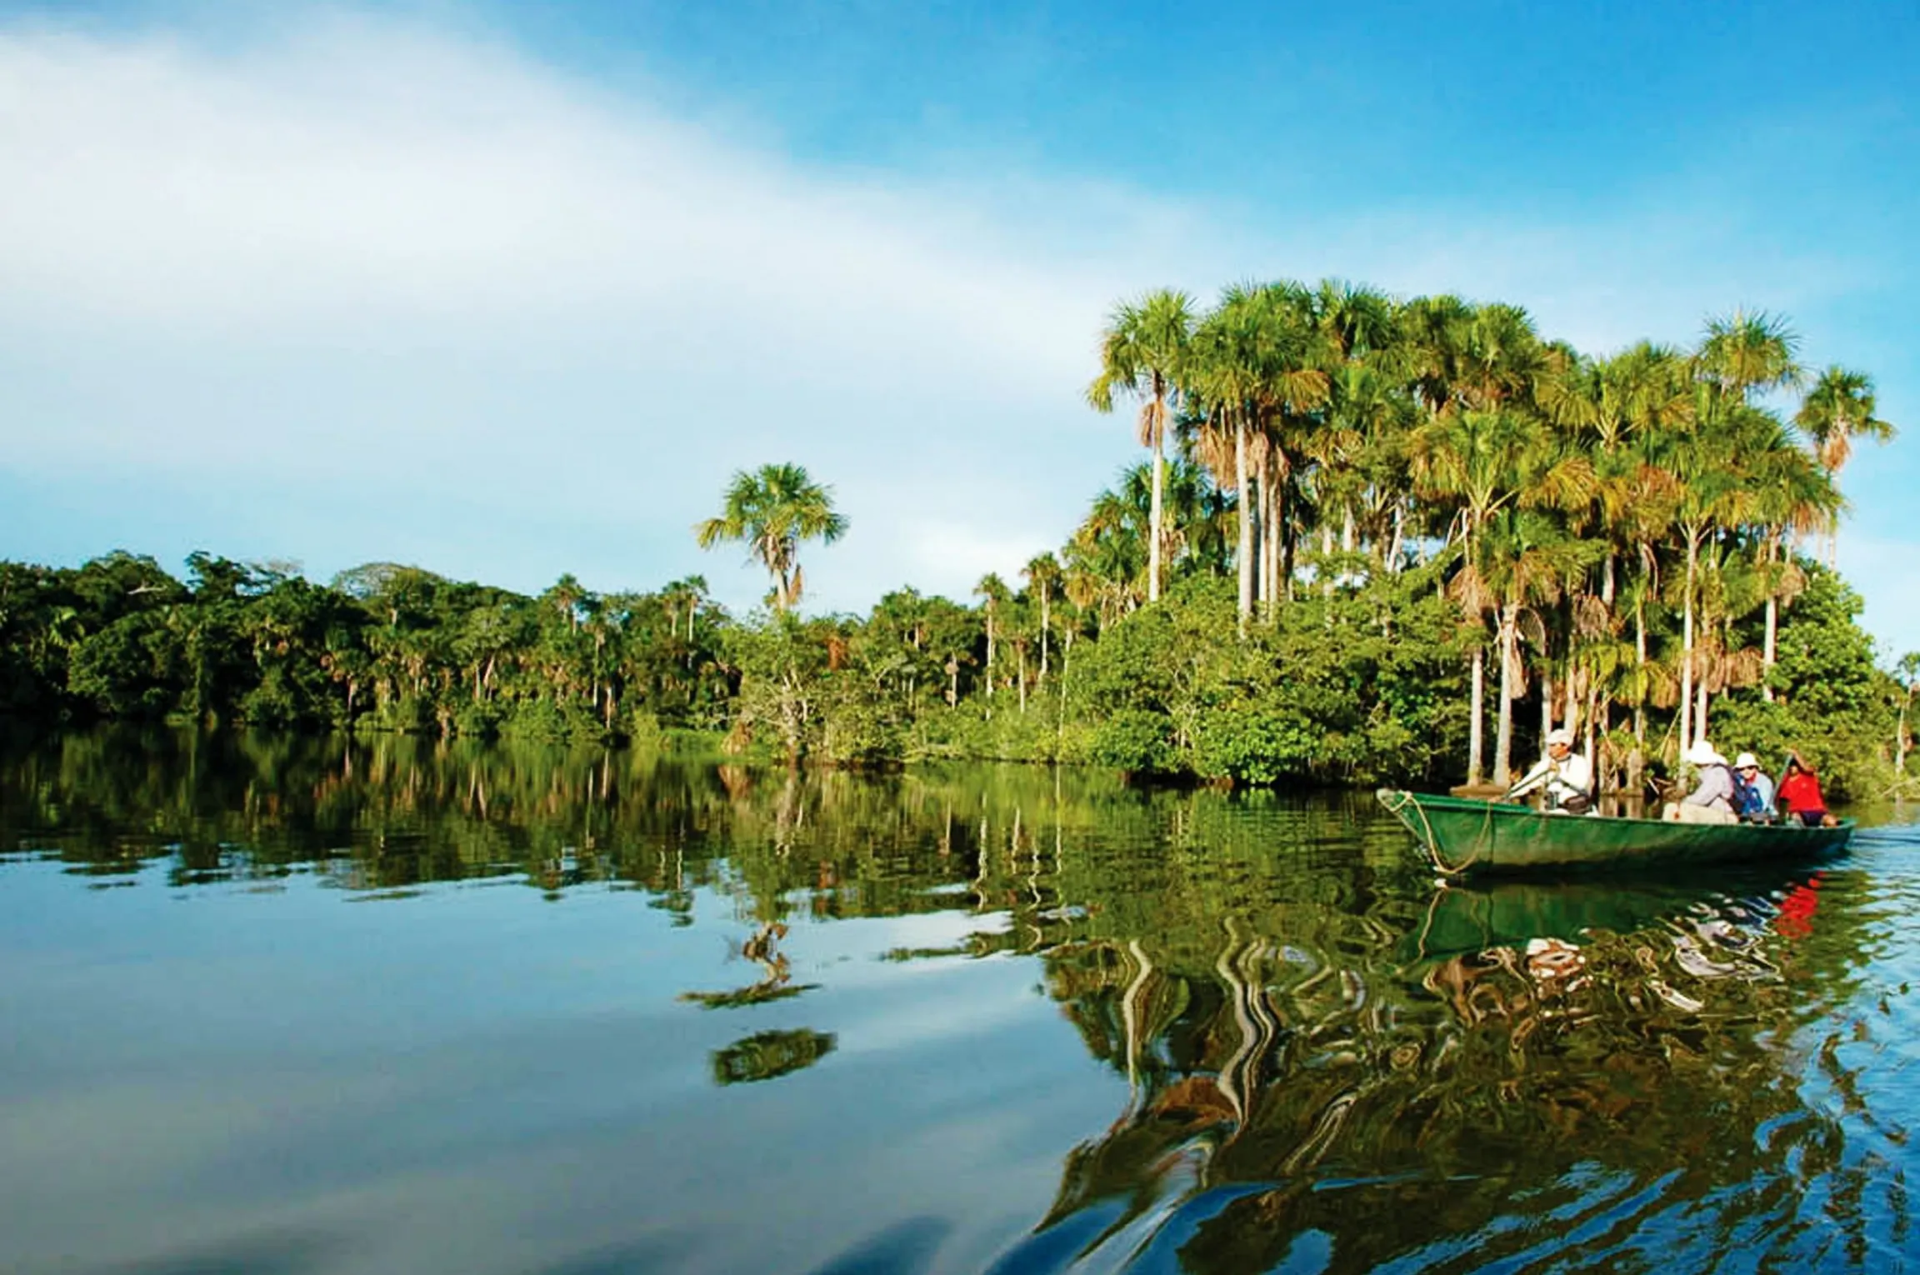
point(776, 971)
point(1130, 1015)
point(1238, 967)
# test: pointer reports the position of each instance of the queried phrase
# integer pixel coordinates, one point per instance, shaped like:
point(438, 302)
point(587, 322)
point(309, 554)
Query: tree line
point(382, 646)
point(1368, 531)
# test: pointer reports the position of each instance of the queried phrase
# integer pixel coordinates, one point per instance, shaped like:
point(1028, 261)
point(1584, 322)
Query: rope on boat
point(1425, 833)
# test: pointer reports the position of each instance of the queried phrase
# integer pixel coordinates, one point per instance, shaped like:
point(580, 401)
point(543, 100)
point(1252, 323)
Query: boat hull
point(1462, 836)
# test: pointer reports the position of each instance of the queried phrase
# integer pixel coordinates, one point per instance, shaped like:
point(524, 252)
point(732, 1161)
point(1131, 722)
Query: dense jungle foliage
point(1379, 516)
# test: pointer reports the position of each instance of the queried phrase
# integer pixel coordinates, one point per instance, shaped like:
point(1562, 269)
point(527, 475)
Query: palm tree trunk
point(989, 669)
point(1686, 645)
point(1700, 713)
point(1767, 656)
point(1833, 527)
point(1637, 759)
point(1284, 587)
point(1546, 705)
point(1270, 560)
point(1155, 525)
point(1503, 739)
point(1900, 741)
point(1597, 710)
point(1245, 555)
point(1326, 560)
point(1046, 626)
point(1476, 730)
point(1770, 645)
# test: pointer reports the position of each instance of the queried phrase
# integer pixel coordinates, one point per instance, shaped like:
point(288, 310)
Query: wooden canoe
point(1462, 836)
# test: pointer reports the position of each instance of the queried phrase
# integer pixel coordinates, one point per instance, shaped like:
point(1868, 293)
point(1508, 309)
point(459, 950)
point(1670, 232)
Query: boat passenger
point(1800, 794)
point(1564, 774)
point(1711, 800)
point(1754, 791)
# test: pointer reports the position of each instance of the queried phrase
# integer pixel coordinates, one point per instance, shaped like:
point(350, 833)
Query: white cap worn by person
point(1562, 737)
point(1701, 753)
point(1746, 761)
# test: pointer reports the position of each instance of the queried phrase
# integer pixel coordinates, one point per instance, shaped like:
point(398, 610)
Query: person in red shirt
point(1800, 793)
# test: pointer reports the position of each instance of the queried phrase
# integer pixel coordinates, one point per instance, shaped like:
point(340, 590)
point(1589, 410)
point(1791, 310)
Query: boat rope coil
point(1397, 803)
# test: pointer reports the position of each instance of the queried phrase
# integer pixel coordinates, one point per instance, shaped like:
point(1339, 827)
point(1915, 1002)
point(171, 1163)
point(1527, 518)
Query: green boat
point(1463, 836)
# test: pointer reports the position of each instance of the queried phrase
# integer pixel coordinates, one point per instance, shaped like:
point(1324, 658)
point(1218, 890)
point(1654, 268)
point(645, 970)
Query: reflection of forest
point(1318, 1048)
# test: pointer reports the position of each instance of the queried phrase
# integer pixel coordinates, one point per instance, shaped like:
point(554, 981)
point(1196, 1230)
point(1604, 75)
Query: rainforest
point(1371, 538)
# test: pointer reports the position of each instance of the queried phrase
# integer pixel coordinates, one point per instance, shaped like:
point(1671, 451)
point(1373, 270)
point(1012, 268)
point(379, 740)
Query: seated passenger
point(1563, 773)
point(1711, 800)
point(1800, 794)
point(1753, 793)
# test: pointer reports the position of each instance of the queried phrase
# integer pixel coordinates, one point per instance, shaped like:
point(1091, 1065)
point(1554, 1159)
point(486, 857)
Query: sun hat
point(1701, 753)
point(1746, 761)
point(1563, 737)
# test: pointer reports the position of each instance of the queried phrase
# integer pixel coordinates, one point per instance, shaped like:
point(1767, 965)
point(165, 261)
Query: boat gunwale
point(1553, 841)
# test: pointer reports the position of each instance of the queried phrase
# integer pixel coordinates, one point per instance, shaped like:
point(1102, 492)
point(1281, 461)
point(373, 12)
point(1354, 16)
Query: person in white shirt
point(1564, 774)
point(1711, 800)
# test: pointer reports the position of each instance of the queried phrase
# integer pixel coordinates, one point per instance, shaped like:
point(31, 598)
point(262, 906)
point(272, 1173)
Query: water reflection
point(1543, 1040)
point(1317, 1057)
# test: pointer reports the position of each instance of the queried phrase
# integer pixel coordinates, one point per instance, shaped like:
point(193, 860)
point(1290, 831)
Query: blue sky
point(508, 290)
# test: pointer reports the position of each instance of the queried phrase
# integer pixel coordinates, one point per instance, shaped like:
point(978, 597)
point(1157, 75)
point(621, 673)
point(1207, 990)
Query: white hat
point(1563, 737)
point(1701, 753)
point(1745, 760)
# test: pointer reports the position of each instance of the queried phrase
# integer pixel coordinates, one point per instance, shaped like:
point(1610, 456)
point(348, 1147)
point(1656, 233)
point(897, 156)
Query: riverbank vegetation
point(1371, 538)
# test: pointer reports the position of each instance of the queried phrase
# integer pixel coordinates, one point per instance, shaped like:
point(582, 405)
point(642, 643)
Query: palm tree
point(771, 511)
point(1143, 352)
point(1838, 409)
point(1255, 360)
point(1793, 493)
point(994, 594)
point(1043, 578)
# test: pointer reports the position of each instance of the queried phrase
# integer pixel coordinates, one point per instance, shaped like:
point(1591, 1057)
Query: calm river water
point(304, 1006)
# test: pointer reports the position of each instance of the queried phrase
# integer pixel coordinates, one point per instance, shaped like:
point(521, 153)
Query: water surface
point(290, 1006)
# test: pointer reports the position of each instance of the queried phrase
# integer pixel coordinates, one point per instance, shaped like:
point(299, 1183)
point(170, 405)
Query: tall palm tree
point(994, 595)
point(1043, 579)
point(771, 511)
point(1143, 352)
point(1793, 494)
point(1255, 359)
point(1838, 409)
